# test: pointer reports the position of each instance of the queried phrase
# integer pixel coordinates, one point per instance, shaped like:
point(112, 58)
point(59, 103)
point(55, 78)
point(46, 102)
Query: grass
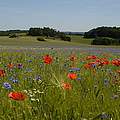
point(92, 97)
point(32, 41)
point(29, 41)
point(80, 39)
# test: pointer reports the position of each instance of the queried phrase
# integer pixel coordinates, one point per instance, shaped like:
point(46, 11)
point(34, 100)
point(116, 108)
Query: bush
point(40, 39)
point(13, 36)
point(105, 41)
point(65, 38)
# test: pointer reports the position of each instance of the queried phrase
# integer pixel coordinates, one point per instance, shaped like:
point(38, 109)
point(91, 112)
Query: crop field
point(59, 84)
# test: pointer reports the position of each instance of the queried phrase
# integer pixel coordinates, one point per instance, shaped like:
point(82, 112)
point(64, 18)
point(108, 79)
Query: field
point(60, 84)
point(32, 41)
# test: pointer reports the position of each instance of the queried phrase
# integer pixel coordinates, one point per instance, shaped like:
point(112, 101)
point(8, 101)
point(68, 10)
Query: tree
point(112, 32)
point(105, 41)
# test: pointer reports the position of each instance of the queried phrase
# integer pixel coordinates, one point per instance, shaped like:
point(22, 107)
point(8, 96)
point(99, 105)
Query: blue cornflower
point(79, 78)
point(66, 65)
point(15, 81)
point(11, 78)
point(38, 78)
point(115, 96)
point(20, 66)
point(7, 85)
point(74, 69)
point(29, 70)
point(105, 116)
point(29, 61)
point(93, 65)
point(106, 82)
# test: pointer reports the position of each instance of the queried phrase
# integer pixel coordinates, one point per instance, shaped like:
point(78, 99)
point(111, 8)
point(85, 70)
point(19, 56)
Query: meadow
point(59, 84)
point(24, 40)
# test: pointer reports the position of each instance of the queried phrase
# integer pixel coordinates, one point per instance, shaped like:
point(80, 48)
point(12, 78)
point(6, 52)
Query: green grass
point(80, 39)
point(46, 99)
point(32, 41)
point(28, 41)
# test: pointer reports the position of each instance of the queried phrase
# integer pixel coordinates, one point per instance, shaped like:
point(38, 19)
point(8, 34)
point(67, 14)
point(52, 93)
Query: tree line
point(104, 35)
point(9, 32)
point(44, 32)
point(48, 32)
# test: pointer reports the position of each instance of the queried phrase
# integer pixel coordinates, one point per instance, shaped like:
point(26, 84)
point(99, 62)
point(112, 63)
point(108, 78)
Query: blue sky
point(63, 15)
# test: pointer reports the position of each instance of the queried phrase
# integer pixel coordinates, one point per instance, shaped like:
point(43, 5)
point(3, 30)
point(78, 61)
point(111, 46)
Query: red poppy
point(98, 60)
point(66, 86)
point(17, 96)
point(87, 66)
point(103, 61)
point(72, 76)
point(90, 65)
point(2, 73)
point(73, 58)
point(116, 62)
point(91, 57)
point(47, 59)
point(10, 65)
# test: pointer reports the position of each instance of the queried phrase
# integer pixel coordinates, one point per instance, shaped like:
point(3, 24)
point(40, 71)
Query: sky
point(63, 15)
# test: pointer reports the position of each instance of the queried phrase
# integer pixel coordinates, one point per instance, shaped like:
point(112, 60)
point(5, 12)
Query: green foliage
point(105, 41)
point(112, 32)
point(46, 31)
point(8, 32)
point(13, 36)
point(66, 38)
point(3, 33)
point(40, 39)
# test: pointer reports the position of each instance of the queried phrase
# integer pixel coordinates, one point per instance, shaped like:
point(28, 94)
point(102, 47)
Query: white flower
point(34, 89)
point(25, 91)
point(37, 100)
point(35, 92)
point(31, 95)
point(32, 99)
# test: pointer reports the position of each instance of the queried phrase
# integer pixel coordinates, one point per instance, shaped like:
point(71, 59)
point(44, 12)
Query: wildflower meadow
point(59, 84)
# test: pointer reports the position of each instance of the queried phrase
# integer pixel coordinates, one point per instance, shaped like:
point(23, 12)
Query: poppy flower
point(116, 62)
point(66, 86)
point(2, 73)
point(90, 65)
point(47, 59)
point(103, 61)
point(10, 65)
point(17, 96)
point(91, 57)
point(73, 58)
point(72, 76)
point(98, 60)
